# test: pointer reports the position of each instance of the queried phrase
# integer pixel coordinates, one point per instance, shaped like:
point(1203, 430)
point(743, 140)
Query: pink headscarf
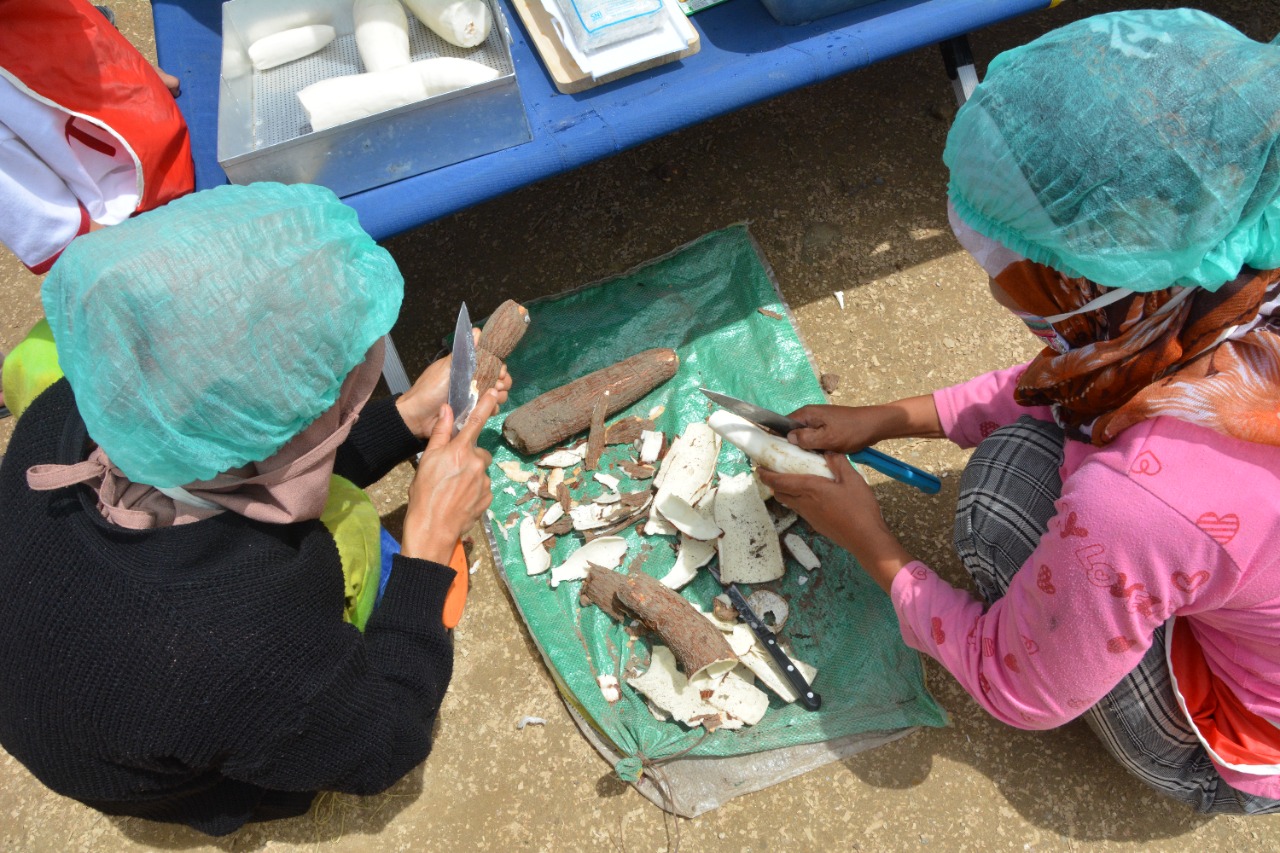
point(290, 485)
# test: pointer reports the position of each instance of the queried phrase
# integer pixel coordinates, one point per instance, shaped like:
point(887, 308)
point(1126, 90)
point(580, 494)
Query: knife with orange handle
point(474, 370)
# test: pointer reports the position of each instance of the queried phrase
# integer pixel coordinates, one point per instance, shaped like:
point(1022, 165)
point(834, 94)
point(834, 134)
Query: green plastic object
point(30, 368)
point(703, 301)
point(1137, 149)
point(203, 335)
point(351, 518)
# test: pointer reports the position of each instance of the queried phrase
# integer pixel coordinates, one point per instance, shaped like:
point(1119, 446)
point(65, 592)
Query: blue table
point(746, 57)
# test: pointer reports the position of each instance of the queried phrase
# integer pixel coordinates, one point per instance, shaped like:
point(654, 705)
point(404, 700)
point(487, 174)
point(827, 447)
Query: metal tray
point(264, 134)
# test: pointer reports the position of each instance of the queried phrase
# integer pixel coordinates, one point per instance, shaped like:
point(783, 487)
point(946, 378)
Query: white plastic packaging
point(593, 24)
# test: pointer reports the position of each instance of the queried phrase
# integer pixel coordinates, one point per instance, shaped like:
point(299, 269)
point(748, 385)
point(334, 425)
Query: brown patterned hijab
point(1212, 359)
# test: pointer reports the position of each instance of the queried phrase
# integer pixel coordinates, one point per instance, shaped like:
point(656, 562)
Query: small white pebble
point(840, 298)
point(475, 567)
point(802, 579)
point(530, 721)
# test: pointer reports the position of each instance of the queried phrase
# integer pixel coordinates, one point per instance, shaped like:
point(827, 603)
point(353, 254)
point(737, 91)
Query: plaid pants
point(1006, 500)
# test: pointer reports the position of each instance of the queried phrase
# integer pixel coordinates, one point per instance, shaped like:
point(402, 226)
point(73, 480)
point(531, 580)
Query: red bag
point(67, 55)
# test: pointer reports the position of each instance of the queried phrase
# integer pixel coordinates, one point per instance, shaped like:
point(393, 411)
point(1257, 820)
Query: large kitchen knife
point(872, 458)
point(462, 370)
point(462, 399)
point(769, 640)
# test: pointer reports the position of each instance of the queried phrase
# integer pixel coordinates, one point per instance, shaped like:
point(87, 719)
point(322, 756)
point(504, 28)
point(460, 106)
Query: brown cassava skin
point(498, 337)
point(488, 369)
point(626, 430)
point(595, 435)
point(601, 589)
point(504, 328)
point(565, 411)
point(695, 642)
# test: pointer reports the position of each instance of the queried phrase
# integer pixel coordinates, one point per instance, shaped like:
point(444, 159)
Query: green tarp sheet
point(703, 300)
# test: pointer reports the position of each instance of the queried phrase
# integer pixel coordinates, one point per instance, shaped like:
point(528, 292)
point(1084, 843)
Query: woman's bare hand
point(848, 429)
point(420, 405)
point(451, 488)
point(843, 429)
point(844, 510)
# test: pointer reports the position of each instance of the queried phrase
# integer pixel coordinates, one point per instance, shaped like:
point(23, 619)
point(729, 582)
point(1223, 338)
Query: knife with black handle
point(790, 671)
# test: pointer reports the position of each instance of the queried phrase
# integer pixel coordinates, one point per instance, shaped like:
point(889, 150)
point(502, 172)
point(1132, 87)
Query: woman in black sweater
point(171, 606)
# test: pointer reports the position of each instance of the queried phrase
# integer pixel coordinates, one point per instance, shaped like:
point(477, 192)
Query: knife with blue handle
point(872, 458)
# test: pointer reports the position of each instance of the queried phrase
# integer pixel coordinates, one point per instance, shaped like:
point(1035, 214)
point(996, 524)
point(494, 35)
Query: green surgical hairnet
point(205, 334)
point(1136, 149)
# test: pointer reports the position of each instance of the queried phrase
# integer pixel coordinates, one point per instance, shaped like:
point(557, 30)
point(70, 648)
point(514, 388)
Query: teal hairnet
point(205, 334)
point(1136, 149)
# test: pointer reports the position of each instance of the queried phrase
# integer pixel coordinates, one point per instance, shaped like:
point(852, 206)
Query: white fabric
point(45, 176)
point(1102, 301)
point(183, 496)
point(990, 255)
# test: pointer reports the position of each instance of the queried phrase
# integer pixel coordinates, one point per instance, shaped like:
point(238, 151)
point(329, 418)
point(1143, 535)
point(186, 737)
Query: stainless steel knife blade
point(462, 395)
point(781, 424)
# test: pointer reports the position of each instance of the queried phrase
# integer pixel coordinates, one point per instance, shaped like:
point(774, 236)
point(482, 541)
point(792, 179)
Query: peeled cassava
point(288, 45)
point(464, 23)
point(382, 34)
point(766, 450)
point(339, 100)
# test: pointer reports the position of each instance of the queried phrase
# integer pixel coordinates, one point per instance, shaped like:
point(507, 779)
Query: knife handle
point(456, 598)
point(898, 470)
point(808, 697)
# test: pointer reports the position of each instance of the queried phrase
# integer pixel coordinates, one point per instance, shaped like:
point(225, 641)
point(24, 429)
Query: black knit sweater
point(202, 674)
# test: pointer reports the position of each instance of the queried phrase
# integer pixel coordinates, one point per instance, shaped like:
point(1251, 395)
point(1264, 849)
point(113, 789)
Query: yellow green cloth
point(353, 522)
point(30, 368)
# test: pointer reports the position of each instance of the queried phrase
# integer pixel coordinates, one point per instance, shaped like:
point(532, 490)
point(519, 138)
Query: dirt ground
point(844, 188)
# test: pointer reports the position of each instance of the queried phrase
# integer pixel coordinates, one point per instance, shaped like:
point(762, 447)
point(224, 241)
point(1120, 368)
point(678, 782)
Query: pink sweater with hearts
point(1170, 519)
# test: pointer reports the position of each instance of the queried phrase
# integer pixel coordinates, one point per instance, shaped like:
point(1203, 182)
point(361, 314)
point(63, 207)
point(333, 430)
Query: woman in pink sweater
point(1119, 180)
